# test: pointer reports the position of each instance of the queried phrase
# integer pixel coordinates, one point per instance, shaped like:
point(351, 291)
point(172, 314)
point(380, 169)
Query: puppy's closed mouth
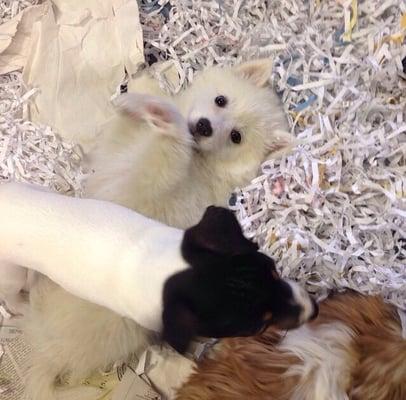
point(192, 129)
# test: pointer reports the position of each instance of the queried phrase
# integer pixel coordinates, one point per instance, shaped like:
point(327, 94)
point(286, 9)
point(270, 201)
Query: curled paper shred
point(30, 152)
point(350, 17)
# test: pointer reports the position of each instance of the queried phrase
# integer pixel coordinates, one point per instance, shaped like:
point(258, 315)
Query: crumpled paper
point(15, 38)
point(165, 369)
point(75, 53)
point(155, 375)
point(31, 152)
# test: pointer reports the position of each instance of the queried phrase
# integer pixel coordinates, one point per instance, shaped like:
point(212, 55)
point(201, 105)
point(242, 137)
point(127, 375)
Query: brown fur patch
point(242, 369)
point(252, 368)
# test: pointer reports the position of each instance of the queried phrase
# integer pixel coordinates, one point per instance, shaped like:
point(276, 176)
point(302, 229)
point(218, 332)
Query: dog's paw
point(16, 304)
point(130, 104)
point(159, 113)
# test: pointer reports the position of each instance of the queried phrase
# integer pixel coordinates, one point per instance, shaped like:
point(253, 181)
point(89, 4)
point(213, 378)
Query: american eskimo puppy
point(167, 158)
point(171, 157)
point(354, 350)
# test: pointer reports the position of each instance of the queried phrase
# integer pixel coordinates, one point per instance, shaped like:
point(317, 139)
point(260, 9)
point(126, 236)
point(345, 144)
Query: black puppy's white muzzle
point(309, 307)
point(303, 308)
point(201, 128)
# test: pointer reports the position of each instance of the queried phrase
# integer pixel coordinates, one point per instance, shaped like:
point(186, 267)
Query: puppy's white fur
point(149, 162)
point(325, 361)
point(72, 337)
point(302, 297)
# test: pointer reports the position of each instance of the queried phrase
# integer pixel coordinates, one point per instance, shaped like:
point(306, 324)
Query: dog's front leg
point(170, 149)
point(163, 117)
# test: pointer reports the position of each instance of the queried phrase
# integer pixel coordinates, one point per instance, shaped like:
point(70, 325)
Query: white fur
point(14, 281)
point(149, 163)
point(301, 297)
point(325, 365)
point(70, 336)
point(100, 248)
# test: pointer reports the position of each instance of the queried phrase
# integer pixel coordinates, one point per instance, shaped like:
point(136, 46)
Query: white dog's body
point(151, 163)
point(99, 248)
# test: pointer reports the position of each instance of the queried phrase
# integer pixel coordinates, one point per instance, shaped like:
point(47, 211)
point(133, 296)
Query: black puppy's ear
point(218, 232)
point(179, 326)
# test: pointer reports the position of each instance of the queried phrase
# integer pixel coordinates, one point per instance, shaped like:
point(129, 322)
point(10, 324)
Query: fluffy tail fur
point(39, 380)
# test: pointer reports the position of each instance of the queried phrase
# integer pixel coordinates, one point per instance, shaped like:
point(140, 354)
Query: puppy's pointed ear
point(179, 326)
point(217, 232)
point(258, 71)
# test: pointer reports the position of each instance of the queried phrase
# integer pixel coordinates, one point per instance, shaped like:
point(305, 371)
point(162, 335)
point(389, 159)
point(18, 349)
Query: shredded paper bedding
point(333, 212)
point(30, 152)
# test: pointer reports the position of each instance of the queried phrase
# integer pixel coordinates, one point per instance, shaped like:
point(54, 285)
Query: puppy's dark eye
point(235, 136)
point(221, 101)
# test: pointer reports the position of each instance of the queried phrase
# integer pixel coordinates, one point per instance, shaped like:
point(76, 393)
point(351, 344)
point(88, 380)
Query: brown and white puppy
point(353, 350)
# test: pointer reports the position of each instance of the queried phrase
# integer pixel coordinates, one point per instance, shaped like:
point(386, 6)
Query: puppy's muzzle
point(308, 306)
point(303, 308)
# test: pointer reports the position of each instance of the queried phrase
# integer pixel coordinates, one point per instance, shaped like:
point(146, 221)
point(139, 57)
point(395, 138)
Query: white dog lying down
point(209, 280)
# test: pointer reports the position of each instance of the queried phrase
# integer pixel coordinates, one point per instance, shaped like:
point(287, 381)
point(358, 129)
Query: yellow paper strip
point(351, 17)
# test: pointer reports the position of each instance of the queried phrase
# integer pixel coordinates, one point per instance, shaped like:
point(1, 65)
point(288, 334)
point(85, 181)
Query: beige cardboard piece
point(76, 53)
point(15, 38)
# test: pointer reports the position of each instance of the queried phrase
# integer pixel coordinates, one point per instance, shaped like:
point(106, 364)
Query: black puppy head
point(231, 289)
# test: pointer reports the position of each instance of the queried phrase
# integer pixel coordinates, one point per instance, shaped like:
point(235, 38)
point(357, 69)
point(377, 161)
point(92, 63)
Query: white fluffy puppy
point(174, 156)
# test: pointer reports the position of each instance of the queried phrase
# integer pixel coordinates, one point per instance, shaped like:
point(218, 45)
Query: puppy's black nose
point(203, 127)
point(315, 310)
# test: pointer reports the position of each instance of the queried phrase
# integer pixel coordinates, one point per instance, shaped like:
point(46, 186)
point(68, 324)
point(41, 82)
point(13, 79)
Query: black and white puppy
point(214, 281)
point(208, 280)
point(231, 290)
